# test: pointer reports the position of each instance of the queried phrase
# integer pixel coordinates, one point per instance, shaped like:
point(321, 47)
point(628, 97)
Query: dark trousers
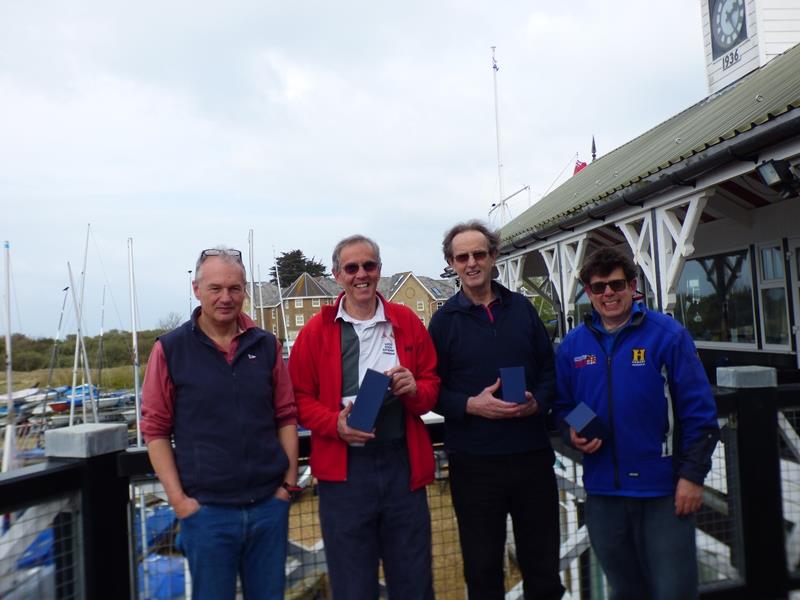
point(485, 489)
point(371, 516)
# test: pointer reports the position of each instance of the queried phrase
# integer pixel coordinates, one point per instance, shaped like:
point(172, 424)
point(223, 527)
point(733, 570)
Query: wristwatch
point(294, 491)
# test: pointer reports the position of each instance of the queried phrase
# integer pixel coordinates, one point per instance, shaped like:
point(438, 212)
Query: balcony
point(100, 527)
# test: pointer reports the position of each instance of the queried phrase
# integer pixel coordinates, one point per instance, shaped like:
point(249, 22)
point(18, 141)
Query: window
point(285, 304)
point(299, 320)
point(298, 303)
point(274, 328)
point(420, 305)
point(715, 298)
point(315, 302)
point(440, 304)
point(274, 315)
point(772, 288)
point(422, 318)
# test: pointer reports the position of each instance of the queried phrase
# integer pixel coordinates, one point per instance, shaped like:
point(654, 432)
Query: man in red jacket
point(372, 500)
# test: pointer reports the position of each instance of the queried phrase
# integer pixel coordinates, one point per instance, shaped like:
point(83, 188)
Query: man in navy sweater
point(499, 452)
point(218, 387)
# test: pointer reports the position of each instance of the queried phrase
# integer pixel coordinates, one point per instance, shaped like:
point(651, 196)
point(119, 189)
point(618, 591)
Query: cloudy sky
point(183, 125)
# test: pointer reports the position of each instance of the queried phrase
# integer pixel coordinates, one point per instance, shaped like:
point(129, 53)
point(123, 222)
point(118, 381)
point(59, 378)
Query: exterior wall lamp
point(781, 176)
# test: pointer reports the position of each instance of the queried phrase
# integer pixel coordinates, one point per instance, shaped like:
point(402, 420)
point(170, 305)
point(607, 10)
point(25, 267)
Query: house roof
point(305, 286)
point(758, 98)
point(265, 294)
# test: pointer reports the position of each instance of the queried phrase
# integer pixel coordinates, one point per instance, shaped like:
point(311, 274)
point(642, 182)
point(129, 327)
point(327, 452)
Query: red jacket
point(315, 367)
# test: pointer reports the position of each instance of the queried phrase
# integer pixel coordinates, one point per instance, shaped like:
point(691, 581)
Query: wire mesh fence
point(40, 551)
point(161, 571)
point(789, 446)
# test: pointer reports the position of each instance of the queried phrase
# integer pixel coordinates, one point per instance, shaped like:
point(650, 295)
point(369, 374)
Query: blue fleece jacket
point(471, 349)
point(647, 384)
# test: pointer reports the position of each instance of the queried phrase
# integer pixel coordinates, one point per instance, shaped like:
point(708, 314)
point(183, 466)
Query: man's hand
point(185, 507)
point(688, 497)
point(582, 444)
point(403, 381)
point(487, 406)
point(347, 433)
point(282, 494)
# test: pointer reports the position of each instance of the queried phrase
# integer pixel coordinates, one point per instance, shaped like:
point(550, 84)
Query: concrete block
point(747, 377)
point(85, 440)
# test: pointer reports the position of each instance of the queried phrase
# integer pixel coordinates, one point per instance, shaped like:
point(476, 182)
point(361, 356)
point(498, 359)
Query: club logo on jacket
point(584, 360)
point(638, 359)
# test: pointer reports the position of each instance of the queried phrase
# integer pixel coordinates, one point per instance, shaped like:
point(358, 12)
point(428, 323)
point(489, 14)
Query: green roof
point(757, 98)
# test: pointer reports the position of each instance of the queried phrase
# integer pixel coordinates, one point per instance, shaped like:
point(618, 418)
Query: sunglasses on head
point(352, 268)
point(221, 252)
point(478, 255)
point(599, 287)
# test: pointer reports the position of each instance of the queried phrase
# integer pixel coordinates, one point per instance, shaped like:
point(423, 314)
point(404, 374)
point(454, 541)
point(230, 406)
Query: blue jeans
point(222, 541)
point(645, 549)
point(371, 516)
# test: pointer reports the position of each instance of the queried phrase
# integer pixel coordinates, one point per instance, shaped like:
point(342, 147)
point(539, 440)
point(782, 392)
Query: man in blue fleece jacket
point(499, 452)
point(638, 370)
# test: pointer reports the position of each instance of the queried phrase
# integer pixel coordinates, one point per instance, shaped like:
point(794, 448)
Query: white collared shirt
point(376, 345)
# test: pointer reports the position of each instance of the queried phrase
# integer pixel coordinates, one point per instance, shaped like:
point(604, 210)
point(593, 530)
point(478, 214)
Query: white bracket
point(638, 231)
point(676, 242)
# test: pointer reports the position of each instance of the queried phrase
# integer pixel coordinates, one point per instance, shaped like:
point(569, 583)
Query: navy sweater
point(471, 349)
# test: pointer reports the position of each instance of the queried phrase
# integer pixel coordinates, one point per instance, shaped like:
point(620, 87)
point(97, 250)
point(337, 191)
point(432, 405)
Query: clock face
point(728, 26)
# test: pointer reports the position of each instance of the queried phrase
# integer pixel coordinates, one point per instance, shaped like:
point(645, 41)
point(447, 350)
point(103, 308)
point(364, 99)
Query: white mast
point(9, 450)
point(191, 291)
point(495, 68)
point(134, 328)
point(80, 344)
point(252, 275)
point(260, 297)
point(280, 299)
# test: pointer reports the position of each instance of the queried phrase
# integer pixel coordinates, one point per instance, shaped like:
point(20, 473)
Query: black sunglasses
point(478, 255)
point(599, 287)
point(352, 268)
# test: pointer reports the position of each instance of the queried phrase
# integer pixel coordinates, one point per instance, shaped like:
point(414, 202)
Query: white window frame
point(298, 303)
point(420, 306)
point(315, 302)
point(299, 320)
point(770, 284)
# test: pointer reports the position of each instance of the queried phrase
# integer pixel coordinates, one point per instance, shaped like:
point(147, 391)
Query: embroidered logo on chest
point(638, 357)
point(584, 360)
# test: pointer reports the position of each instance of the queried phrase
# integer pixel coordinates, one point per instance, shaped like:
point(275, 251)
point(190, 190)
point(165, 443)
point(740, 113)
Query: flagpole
point(495, 68)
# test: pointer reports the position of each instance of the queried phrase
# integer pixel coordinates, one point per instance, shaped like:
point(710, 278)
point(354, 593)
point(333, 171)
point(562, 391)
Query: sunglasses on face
point(478, 255)
point(369, 266)
point(599, 287)
point(224, 252)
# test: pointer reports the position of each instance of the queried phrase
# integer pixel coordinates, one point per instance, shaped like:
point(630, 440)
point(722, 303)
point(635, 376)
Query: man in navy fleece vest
point(218, 387)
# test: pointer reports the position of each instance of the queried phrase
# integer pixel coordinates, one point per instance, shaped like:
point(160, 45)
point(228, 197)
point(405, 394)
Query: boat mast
point(280, 299)
point(134, 327)
point(252, 275)
point(100, 341)
point(8, 446)
point(79, 344)
point(260, 297)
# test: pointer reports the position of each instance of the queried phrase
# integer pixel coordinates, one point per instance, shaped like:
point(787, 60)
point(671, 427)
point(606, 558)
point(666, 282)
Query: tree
point(170, 322)
point(292, 264)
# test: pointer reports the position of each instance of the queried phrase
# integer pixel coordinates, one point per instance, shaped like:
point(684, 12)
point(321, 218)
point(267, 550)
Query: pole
point(9, 453)
point(280, 299)
point(134, 327)
point(495, 68)
point(80, 344)
point(252, 273)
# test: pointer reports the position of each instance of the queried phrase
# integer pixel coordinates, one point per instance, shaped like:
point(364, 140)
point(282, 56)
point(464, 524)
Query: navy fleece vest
point(226, 446)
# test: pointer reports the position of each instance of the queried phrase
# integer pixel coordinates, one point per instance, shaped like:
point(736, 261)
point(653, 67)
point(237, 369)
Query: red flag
point(579, 166)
